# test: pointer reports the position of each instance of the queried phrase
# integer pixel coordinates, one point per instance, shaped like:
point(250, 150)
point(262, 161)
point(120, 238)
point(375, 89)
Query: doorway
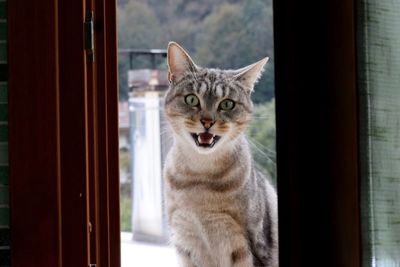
point(219, 34)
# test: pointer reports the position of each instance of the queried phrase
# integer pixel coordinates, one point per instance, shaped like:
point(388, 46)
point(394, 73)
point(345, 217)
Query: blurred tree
point(218, 38)
point(138, 26)
point(258, 24)
point(235, 36)
point(217, 33)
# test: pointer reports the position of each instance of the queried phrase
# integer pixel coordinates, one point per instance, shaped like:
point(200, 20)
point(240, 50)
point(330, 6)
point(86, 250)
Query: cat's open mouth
point(205, 139)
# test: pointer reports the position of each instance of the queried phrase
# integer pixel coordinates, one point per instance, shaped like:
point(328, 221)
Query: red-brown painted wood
point(34, 134)
point(48, 134)
point(63, 135)
point(73, 134)
point(113, 131)
point(107, 123)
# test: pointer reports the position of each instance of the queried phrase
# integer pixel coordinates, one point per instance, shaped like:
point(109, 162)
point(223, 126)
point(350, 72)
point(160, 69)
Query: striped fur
point(221, 210)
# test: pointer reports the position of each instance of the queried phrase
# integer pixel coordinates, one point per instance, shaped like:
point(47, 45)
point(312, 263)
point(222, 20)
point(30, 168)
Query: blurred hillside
point(217, 33)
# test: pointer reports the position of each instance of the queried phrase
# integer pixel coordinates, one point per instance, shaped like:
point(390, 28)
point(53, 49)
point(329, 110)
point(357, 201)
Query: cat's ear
point(179, 62)
point(249, 75)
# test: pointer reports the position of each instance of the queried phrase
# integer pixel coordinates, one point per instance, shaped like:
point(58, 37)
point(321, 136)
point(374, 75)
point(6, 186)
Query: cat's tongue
point(205, 138)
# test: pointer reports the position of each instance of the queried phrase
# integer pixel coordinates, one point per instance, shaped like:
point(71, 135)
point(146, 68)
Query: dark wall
point(4, 183)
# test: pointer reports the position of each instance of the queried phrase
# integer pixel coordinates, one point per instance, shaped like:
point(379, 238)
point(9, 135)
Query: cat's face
point(208, 108)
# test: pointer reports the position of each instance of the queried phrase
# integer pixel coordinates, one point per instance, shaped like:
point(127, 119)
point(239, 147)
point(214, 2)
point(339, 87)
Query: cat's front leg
point(195, 257)
point(241, 257)
point(231, 250)
point(228, 244)
point(184, 258)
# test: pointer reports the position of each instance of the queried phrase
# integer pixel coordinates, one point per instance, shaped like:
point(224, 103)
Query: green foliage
point(261, 134)
point(217, 33)
point(125, 212)
point(215, 51)
point(138, 26)
point(124, 160)
point(237, 35)
point(125, 193)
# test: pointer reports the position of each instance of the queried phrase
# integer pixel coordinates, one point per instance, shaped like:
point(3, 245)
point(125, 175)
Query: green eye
point(192, 100)
point(227, 104)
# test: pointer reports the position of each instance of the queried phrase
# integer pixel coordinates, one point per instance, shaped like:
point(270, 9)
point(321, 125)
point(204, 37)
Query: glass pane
point(225, 34)
point(379, 79)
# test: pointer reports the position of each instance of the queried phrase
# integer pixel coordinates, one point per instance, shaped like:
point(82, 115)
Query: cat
point(222, 212)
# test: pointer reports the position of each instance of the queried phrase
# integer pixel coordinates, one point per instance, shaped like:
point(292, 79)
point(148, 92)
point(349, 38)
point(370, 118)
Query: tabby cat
point(221, 210)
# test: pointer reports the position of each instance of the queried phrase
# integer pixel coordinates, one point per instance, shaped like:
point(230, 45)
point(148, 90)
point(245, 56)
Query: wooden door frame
point(63, 135)
point(317, 133)
point(34, 158)
point(105, 121)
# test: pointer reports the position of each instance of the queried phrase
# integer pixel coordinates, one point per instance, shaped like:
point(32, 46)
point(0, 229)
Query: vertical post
point(75, 86)
point(130, 60)
point(153, 61)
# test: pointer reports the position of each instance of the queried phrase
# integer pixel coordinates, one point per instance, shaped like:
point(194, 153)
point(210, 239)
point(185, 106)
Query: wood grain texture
point(48, 149)
point(105, 122)
point(34, 134)
point(73, 134)
point(64, 148)
point(113, 131)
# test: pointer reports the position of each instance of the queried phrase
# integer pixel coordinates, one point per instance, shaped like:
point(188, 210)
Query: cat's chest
point(202, 192)
point(202, 199)
point(207, 193)
point(202, 207)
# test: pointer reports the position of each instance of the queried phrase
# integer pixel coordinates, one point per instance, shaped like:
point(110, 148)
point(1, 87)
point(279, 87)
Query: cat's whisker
point(261, 117)
point(166, 131)
point(268, 158)
point(262, 152)
point(258, 144)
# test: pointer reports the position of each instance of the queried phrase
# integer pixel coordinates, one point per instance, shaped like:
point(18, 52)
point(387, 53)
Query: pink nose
point(207, 123)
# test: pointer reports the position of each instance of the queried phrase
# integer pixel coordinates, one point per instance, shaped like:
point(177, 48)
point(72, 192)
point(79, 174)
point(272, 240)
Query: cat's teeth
point(209, 141)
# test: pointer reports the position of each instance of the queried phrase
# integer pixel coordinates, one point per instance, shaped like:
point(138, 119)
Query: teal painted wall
point(4, 182)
